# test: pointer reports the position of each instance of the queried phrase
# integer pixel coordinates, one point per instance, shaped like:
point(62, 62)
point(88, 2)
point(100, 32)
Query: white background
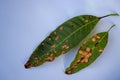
point(25, 23)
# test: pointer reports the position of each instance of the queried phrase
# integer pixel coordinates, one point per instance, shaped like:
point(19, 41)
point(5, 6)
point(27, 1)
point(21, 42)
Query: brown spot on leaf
point(65, 46)
point(96, 44)
point(93, 39)
point(98, 37)
point(85, 55)
point(63, 52)
point(68, 72)
point(55, 32)
point(74, 67)
point(61, 28)
point(80, 52)
point(82, 61)
point(90, 16)
point(78, 61)
point(36, 60)
point(49, 58)
point(88, 49)
point(49, 39)
point(85, 60)
point(42, 43)
point(88, 55)
point(53, 46)
point(100, 50)
point(28, 65)
point(84, 42)
point(57, 37)
point(51, 55)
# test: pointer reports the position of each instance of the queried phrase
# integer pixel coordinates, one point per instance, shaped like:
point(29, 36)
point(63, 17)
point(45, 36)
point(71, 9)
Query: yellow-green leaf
point(89, 51)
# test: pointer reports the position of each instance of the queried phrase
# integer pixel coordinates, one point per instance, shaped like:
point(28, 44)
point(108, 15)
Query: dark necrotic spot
point(96, 44)
point(68, 72)
point(27, 65)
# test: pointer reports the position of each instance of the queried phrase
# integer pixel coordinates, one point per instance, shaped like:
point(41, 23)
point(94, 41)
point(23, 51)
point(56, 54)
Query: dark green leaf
point(88, 52)
point(63, 39)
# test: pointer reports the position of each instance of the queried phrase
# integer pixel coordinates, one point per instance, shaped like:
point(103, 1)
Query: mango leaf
point(88, 52)
point(64, 38)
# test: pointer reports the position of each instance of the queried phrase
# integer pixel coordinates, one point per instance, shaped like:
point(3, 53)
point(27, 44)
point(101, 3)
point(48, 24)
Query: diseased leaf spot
point(88, 55)
point(86, 21)
point(28, 65)
point(68, 72)
point(80, 52)
point(93, 39)
point(49, 59)
point(100, 50)
point(57, 37)
point(74, 67)
point(53, 46)
point(78, 61)
point(36, 60)
point(65, 47)
point(84, 42)
point(88, 49)
point(63, 52)
point(85, 55)
point(51, 55)
point(97, 36)
point(55, 32)
point(90, 16)
point(96, 44)
point(55, 51)
point(42, 43)
point(49, 38)
point(61, 28)
point(84, 60)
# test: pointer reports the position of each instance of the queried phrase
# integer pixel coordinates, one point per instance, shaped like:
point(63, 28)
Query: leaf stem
point(109, 15)
point(111, 27)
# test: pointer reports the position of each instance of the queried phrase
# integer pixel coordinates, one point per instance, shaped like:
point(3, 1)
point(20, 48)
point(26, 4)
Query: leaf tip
point(27, 65)
point(109, 15)
point(114, 14)
point(68, 72)
point(111, 27)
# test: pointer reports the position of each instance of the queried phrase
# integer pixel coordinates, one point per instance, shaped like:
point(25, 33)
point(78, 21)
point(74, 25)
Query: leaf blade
point(94, 47)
